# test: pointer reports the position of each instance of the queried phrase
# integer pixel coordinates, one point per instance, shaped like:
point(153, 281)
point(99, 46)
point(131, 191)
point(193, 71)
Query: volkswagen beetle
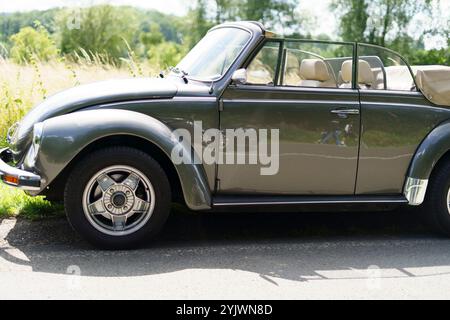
point(355, 125)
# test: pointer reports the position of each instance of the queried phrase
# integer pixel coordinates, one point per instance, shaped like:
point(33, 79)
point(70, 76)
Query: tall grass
point(24, 86)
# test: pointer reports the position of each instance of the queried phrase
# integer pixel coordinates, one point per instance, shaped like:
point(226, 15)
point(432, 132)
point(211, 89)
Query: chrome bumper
point(15, 177)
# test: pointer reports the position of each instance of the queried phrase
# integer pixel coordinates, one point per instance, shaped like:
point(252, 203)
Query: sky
point(326, 23)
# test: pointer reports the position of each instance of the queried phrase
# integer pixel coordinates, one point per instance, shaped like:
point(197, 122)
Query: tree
point(11, 23)
point(159, 51)
point(371, 21)
point(277, 14)
point(353, 22)
point(198, 23)
point(153, 37)
point(225, 10)
point(102, 29)
point(31, 43)
point(272, 13)
point(166, 54)
point(387, 23)
point(389, 15)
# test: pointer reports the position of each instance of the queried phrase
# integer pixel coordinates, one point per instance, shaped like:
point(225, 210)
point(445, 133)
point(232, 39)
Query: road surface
point(233, 256)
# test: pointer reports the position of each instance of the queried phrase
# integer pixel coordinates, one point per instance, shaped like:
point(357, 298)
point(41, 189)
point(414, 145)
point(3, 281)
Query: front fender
point(432, 149)
point(64, 137)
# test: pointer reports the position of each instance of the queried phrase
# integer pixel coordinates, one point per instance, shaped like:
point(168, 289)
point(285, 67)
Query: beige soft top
point(434, 82)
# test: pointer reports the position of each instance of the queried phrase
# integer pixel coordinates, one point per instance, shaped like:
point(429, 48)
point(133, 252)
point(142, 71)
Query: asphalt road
point(234, 256)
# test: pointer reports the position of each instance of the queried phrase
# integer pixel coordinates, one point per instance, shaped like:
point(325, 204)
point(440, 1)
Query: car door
point(396, 118)
point(316, 113)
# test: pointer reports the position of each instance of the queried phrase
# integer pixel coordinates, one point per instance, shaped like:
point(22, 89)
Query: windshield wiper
point(180, 72)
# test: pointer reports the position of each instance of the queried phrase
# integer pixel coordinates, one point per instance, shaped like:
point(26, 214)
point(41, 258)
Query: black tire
point(85, 170)
point(436, 207)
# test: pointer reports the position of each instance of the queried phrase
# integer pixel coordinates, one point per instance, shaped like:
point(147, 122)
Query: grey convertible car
point(351, 124)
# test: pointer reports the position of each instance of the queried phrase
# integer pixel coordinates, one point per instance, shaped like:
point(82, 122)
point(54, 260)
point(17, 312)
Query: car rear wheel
point(117, 198)
point(437, 206)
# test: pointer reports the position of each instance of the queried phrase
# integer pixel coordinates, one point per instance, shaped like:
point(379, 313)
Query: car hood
point(91, 95)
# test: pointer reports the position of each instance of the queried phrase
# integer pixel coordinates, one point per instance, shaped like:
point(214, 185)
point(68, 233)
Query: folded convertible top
point(434, 82)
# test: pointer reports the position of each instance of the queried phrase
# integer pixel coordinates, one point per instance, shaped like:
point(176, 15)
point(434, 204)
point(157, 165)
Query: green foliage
point(225, 10)
point(424, 57)
point(198, 23)
point(31, 44)
point(11, 23)
point(387, 23)
point(14, 202)
point(272, 13)
point(159, 51)
point(386, 15)
point(153, 37)
point(353, 22)
point(100, 29)
point(12, 109)
point(105, 31)
point(371, 21)
point(166, 54)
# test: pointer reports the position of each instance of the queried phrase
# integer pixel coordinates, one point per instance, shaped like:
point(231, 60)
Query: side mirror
point(240, 76)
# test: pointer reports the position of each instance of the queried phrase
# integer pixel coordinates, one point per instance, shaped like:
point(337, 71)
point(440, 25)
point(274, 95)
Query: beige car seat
point(314, 73)
point(366, 77)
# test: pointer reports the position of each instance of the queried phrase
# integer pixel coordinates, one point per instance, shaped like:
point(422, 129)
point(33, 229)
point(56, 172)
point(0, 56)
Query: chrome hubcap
point(119, 200)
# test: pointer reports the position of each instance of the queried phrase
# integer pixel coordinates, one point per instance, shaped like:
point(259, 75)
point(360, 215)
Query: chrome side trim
point(291, 101)
point(310, 202)
point(415, 191)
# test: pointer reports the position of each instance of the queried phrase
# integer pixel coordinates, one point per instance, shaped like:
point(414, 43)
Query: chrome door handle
point(346, 111)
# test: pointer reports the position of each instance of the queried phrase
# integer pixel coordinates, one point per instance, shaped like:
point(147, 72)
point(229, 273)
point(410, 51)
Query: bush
point(101, 30)
point(31, 44)
point(166, 54)
point(434, 56)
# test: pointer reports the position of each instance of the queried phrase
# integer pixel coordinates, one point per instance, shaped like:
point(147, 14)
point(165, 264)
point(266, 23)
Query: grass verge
point(15, 202)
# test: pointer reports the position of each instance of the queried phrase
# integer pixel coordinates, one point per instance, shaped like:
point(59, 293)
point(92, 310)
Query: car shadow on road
point(299, 247)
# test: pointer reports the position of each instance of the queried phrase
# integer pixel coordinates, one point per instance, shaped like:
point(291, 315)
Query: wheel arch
point(432, 152)
point(128, 141)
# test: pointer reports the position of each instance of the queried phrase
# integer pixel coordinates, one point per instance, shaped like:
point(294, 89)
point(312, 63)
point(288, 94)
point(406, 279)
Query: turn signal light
point(11, 179)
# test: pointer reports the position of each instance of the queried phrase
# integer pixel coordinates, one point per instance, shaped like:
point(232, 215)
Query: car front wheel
point(117, 198)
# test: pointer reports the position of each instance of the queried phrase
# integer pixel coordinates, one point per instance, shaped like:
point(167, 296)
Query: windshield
point(211, 58)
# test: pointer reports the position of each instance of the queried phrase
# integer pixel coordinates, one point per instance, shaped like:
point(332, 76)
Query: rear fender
point(432, 149)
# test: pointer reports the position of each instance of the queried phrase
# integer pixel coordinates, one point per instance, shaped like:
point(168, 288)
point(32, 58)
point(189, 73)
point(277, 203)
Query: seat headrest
point(314, 69)
point(365, 73)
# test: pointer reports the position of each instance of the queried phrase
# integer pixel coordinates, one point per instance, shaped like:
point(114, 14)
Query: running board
point(258, 201)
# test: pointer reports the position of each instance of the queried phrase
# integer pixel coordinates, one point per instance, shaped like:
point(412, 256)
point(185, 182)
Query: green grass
point(15, 202)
